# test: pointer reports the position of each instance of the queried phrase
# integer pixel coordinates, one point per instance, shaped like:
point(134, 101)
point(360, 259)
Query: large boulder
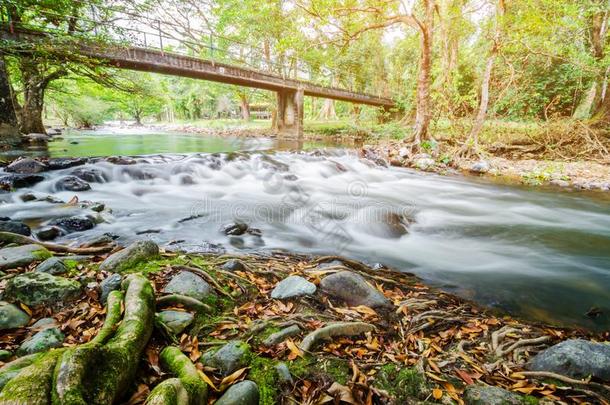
point(64, 163)
point(26, 166)
point(42, 341)
point(353, 289)
point(242, 393)
point(189, 284)
point(71, 183)
point(12, 317)
point(135, 253)
point(74, 224)
point(229, 358)
point(17, 180)
point(480, 394)
point(52, 265)
point(41, 289)
point(175, 321)
point(575, 358)
point(293, 286)
point(19, 256)
point(15, 227)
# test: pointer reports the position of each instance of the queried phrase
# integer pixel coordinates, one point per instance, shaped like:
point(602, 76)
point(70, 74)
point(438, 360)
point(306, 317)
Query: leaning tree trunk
point(34, 86)
point(9, 133)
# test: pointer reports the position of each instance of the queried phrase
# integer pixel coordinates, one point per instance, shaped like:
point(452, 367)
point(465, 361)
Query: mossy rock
point(331, 368)
point(403, 384)
point(41, 289)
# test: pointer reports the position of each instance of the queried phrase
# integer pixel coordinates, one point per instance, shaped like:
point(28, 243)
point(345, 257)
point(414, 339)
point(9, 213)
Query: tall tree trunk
point(9, 132)
point(594, 103)
point(245, 107)
point(423, 114)
point(327, 112)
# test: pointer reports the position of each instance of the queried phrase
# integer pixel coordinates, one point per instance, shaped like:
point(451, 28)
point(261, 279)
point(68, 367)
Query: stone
point(575, 358)
point(52, 265)
point(44, 323)
point(16, 180)
point(5, 355)
point(65, 163)
point(229, 358)
point(71, 183)
point(121, 160)
point(242, 393)
point(135, 253)
point(41, 289)
point(42, 341)
point(20, 256)
point(176, 321)
point(424, 163)
point(26, 166)
point(49, 233)
point(293, 286)
point(90, 174)
point(110, 284)
point(353, 289)
point(283, 373)
point(480, 394)
point(74, 224)
point(36, 138)
point(559, 183)
point(27, 197)
point(15, 227)
point(189, 284)
point(279, 337)
point(12, 317)
point(480, 167)
point(234, 265)
point(235, 229)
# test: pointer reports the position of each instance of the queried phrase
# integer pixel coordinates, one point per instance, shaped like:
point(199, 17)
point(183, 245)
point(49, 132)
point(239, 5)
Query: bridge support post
point(289, 123)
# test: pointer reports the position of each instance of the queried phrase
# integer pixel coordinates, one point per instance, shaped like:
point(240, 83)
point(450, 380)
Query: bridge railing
point(129, 29)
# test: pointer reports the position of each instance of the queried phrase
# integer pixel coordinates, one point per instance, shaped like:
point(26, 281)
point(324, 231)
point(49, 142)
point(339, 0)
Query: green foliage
point(402, 383)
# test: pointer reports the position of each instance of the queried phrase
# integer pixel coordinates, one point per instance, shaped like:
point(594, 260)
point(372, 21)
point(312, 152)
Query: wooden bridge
point(290, 92)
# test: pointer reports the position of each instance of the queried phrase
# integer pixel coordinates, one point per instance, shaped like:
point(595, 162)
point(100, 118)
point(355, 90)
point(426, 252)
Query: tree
point(8, 118)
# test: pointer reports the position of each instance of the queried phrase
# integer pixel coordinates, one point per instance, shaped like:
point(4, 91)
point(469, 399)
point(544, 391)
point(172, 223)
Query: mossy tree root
point(186, 301)
point(187, 389)
point(9, 237)
point(98, 372)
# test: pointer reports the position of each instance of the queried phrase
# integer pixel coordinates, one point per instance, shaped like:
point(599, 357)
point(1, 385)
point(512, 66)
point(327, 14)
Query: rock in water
point(64, 163)
point(12, 317)
point(53, 266)
point(15, 227)
point(236, 229)
point(229, 358)
point(20, 180)
point(293, 286)
point(135, 253)
point(189, 284)
point(575, 358)
point(72, 183)
point(480, 167)
point(19, 256)
point(74, 224)
point(41, 289)
point(353, 289)
point(49, 233)
point(176, 321)
point(242, 393)
point(42, 341)
point(481, 394)
point(110, 284)
point(26, 166)
point(91, 175)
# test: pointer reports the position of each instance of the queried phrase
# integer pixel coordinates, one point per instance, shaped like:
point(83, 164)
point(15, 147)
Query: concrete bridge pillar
point(289, 122)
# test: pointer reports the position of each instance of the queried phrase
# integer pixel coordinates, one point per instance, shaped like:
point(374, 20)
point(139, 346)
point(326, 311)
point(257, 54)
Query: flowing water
point(542, 254)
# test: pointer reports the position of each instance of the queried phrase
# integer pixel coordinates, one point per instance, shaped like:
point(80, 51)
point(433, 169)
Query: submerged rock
point(293, 286)
point(480, 394)
point(72, 183)
point(17, 180)
point(49, 233)
point(189, 284)
point(15, 227)
point(229, 358)
point(121, 160)
point(41, 289)
point(26, 166)
point(90, 174)
point(353, 289)
point(135, 253)
point(176, 321)
point(65, 163)
point(42, 341)
point(19, 256)
point(575, 358)
point(12, 317)
point(74, 224)
point(52, 265)
point(242, 393)
point(235, 229)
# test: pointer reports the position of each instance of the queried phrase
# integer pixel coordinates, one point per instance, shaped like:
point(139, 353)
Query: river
point(539, 253)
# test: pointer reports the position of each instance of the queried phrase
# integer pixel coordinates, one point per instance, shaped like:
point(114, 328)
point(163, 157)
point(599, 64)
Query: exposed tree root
point(185, 301)
point(98, 372)
point(9, 237)
point(205, 275)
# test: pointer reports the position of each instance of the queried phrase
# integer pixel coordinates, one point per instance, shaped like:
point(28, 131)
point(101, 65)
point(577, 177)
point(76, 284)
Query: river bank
point(277, 328)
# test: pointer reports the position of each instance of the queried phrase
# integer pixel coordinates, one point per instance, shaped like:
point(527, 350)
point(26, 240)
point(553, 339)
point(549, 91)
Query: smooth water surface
point(543, 254)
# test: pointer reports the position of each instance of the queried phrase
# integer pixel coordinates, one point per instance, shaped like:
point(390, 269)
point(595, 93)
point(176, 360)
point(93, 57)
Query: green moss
point(263, 373)
point(34, 383)
point(530, 400)
point(335, 369)
point(41, 254)
point(268, 331)
point(402, 383)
